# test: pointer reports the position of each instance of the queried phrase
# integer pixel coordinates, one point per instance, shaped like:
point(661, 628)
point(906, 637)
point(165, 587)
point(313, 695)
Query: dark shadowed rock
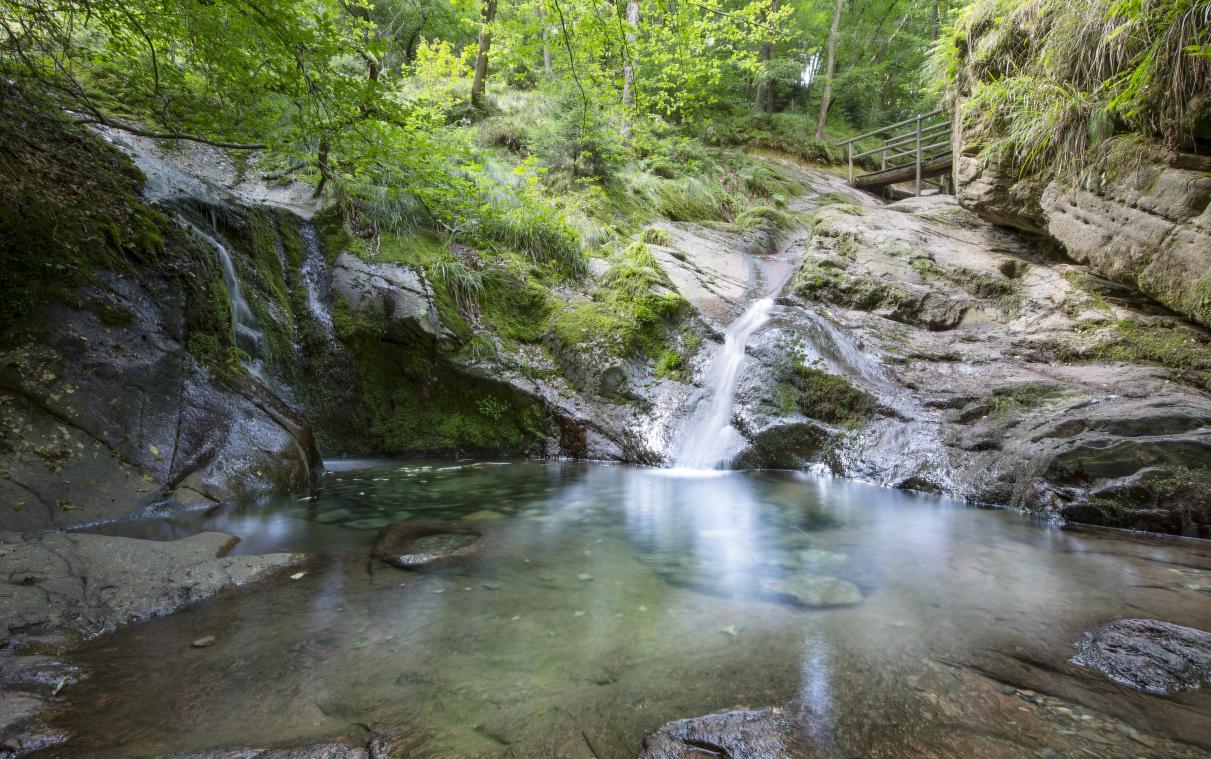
point(412, 545)
point(1153, 656)
point(774, 733)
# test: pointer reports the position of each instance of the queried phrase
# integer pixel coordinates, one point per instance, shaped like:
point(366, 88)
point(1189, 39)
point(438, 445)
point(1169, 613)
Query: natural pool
point(607, 600)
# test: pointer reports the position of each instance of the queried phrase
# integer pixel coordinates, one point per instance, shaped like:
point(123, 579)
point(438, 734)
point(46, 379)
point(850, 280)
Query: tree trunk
point(764, 102)
point(933, 22)
point(481, 60)
point(628, 68)
point(546, 42)
point(828, 76)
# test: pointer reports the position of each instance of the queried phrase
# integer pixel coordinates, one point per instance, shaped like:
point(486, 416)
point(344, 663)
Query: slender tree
point(628, 66)
point(764, 102)
point(481, 60)
point(830, 66)
point(546, 41)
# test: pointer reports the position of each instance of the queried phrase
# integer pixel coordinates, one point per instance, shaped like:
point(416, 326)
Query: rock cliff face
point(1147, 225)
point(921, 347)
point(105, 410)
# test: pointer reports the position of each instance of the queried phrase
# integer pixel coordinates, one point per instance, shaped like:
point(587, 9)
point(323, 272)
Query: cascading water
point(315, 277)
point(248, 336)
point(711, 439)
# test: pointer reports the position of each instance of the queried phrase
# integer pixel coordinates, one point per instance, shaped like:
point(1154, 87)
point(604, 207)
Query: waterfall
point(315, 277)
point(247, 335)
point(711, 439)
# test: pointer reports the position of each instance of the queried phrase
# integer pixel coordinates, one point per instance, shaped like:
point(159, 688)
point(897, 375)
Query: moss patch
point(413, 406)
point(826, 397)
point(633, 310)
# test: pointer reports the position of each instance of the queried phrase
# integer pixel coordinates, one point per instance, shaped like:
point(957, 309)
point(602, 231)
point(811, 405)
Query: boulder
point(773, 733)
point(104, 411)
point(91, 584)
point(1149, 655)
point(413, 545)
point(396, 293)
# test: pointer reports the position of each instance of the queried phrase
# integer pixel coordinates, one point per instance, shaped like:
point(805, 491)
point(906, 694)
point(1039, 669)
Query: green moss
point(352, 324)
point(828, 397)
point(516, 309)
point(412, 406)
point(1184, 350)
point(1014, 401)
point(113, 315)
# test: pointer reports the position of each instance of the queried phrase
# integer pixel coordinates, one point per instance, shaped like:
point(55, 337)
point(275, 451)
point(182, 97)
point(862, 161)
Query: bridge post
point(918, 155)
point(850, 149)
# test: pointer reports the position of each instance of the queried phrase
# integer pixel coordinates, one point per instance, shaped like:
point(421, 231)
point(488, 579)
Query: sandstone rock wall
point(1148, 225)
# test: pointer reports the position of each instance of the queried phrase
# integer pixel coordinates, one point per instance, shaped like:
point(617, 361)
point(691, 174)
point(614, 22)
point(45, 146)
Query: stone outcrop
point(992, 370)
point(1147, 225)
point(90, 584)
point(394, 292)
point(104, 411)
point(1152, 656)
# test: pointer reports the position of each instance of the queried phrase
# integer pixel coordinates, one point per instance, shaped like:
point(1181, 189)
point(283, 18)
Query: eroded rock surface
point(104, 411)
point(56, 587)
point(991, 368)
point(1147, 224)
point(90, 584)
point(1147, 654)
point(773, 733)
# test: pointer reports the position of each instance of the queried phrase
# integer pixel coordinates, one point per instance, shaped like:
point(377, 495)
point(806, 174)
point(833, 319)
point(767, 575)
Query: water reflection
point(609, 599)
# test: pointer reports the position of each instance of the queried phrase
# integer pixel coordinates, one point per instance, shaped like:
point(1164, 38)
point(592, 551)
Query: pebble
point(493, 585)
point(203, 642)
point(584, 577)
point(297, 575)
point(1008, 690)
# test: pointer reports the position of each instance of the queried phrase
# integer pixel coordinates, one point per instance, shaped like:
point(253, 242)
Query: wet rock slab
point(1149, 655)
point(412, 545)
point(90, 584)
point(773, 733)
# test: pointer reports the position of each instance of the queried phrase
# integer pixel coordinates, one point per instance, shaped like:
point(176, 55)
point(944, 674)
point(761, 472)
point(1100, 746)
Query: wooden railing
point(914, 150)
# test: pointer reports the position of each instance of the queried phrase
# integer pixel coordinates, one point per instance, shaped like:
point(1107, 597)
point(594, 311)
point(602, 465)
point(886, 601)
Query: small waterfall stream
point(247, 334)
point(711, 440)
point(315, 277)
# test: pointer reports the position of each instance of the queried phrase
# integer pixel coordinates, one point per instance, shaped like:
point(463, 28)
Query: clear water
point(609, 599)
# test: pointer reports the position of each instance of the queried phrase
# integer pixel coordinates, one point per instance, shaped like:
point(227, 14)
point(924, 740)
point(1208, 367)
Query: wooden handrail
point(928, 144)
point(911, 120)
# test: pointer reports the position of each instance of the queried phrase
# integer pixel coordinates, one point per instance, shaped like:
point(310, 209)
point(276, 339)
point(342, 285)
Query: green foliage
point(1047, 82)
point(656, 236)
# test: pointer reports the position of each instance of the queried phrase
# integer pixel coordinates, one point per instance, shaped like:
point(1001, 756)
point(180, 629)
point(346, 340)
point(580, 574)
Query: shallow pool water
point(606, 600)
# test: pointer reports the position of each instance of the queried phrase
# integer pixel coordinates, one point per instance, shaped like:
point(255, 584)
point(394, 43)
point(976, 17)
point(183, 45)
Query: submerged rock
point(412, 545)
point(1147, 654)
point(774, 733)
point(815, 591)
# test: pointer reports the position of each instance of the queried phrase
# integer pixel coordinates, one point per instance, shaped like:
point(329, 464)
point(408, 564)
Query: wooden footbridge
point(915, 150)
